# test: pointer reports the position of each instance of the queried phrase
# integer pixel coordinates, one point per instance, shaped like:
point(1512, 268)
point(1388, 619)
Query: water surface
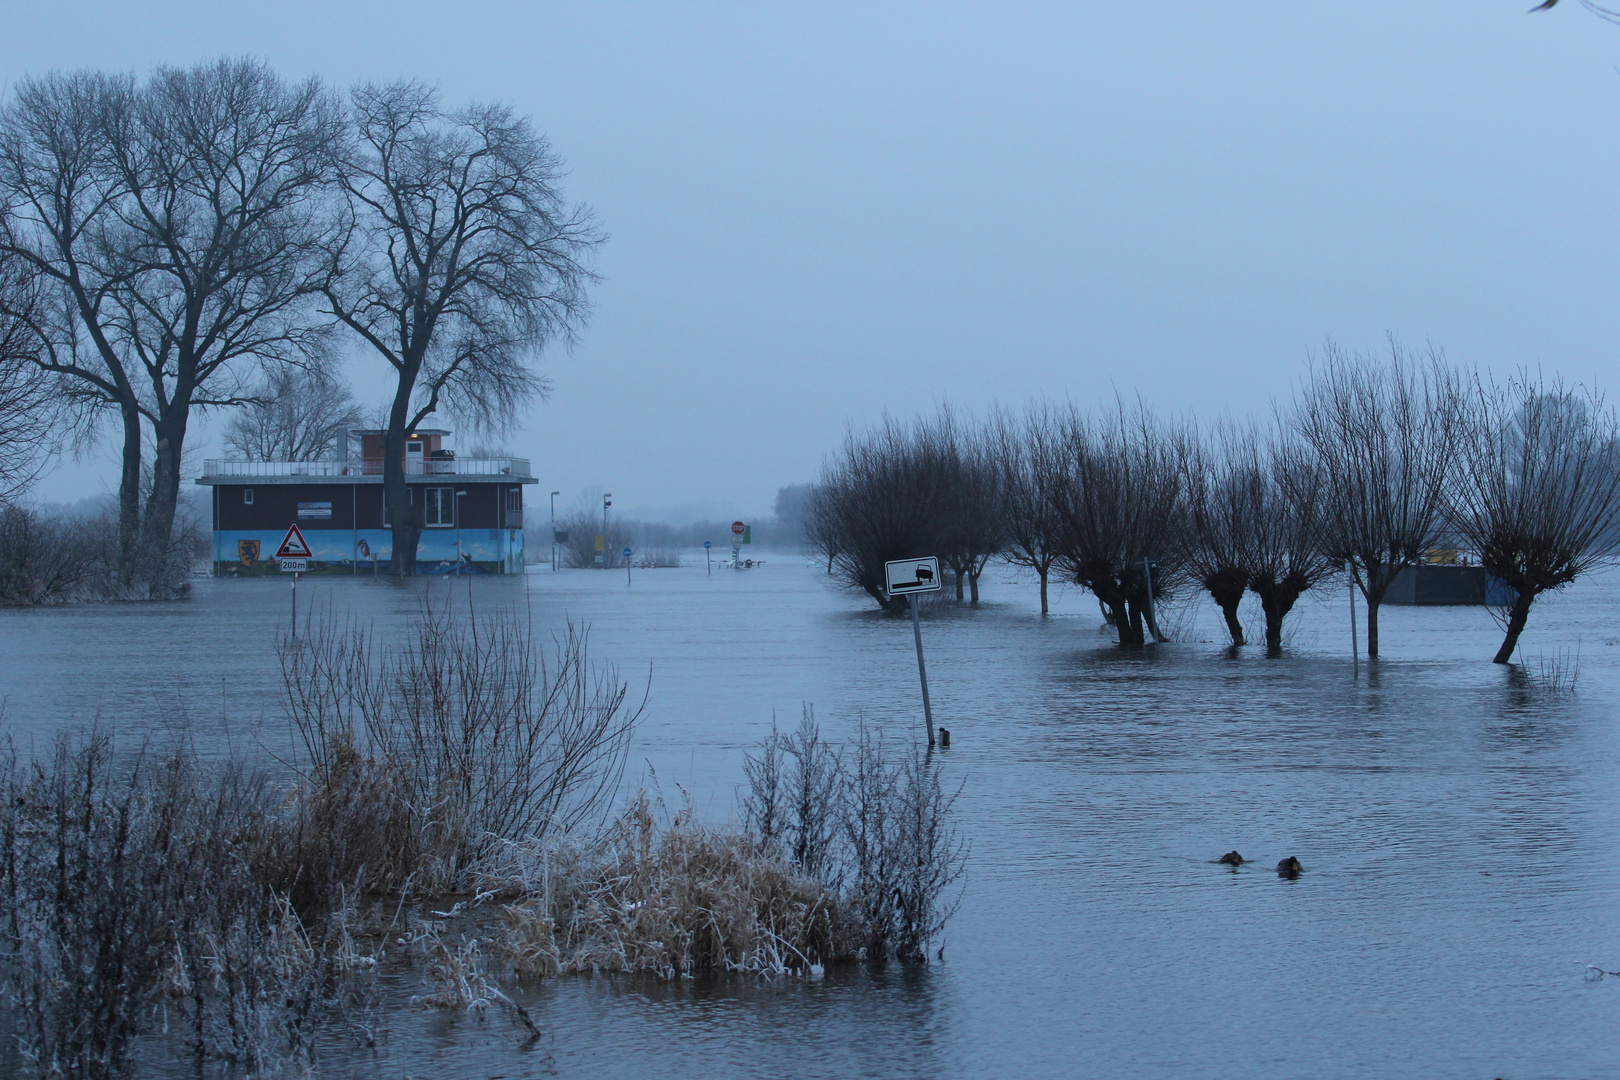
point(1459, 826)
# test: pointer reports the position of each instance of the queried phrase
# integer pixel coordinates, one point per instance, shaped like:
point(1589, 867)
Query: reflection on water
point(1457, 825)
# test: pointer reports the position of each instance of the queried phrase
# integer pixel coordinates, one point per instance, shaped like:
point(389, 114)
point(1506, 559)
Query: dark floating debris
point(944, 738)
point(1231, 858)
point(1289, 868)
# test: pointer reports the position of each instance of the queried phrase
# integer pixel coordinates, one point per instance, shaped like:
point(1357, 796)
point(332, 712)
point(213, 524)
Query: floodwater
point(1459, 824)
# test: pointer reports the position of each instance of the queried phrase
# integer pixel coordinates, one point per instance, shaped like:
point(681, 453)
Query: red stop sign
point(737, 528)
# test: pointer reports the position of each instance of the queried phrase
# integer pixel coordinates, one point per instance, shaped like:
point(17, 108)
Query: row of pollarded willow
point(1375, 462)
point(176, 243)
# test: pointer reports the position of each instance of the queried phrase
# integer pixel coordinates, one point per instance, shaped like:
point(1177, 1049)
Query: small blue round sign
point(627, 553)
point(708, 543)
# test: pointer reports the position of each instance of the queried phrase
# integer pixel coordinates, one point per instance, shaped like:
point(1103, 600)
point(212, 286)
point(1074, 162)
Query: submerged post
point(922, 669)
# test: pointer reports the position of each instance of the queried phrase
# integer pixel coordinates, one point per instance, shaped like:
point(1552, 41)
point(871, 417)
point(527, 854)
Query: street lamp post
point(554, 495)
point(607, 501)
point(460, 559)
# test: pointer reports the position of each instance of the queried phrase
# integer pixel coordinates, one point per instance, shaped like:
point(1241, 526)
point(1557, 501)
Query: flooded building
point(472, 508)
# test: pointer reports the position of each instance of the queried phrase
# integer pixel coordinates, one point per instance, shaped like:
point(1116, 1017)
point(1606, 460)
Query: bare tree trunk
point(404, 520)
point(129, 495)
point(1516, 619)
point(1130, 627)
point(1379, 578)
point(158, 528)
point(1044, 608)
point(1276, 601)
point(973, 587)
point(1226, 589)
point(1152, 621)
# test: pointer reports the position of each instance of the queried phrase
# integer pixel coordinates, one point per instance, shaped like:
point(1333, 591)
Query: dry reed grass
point(672, 901)
point(239, 915)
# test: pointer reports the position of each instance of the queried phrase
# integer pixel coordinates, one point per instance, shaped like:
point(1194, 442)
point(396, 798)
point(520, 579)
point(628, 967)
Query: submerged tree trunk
point(1277, 599)
point(1226, 588)
point(1150, 616)
point(129, 495)
point(1044, 608)
point(973, 588)
point(404, 516)
point(1276, 602)
point(1379, 576)
point(157, 531)
point(1130, 627)
point(1516, 619)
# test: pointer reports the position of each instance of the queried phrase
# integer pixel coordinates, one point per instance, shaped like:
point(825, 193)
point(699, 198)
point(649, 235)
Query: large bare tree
point(1225, 484)
point(1539, 491)
point(1288, 555)
point(182, 224)
point(1385, 436)
point(1121, 503)
point(883, 496)
point(1027, 456)
point(1254, 523)
point(970, 525)
point(462, 263)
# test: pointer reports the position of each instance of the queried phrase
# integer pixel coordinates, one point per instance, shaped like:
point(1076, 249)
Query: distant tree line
point(1374, 463)
point(214, 237)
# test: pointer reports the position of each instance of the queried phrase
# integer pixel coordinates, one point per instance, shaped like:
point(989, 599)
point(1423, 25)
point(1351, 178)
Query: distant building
point(338, 506)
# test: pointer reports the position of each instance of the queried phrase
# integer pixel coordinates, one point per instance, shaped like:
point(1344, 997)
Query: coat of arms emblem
point(247, 551)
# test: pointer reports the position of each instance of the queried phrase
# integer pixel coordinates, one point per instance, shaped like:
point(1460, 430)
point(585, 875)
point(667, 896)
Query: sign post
point(627, 566)
point(903, 577)
point(294, 556)
point(708, 562)
point(1355, 654)
point(738, 532)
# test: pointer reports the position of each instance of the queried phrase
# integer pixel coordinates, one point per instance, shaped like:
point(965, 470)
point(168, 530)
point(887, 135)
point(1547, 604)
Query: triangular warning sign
point(293, 545)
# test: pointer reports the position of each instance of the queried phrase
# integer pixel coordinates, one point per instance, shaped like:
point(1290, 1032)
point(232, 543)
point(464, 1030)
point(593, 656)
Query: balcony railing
point(368, 467)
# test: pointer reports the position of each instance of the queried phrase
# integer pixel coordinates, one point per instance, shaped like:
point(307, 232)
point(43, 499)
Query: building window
point(247, 496)
point(514, 501)
point(440, 507)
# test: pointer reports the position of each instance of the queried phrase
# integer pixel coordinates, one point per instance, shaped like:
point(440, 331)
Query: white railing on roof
point(369, 467)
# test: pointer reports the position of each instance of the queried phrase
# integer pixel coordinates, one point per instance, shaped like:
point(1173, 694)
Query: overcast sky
point(822, 212)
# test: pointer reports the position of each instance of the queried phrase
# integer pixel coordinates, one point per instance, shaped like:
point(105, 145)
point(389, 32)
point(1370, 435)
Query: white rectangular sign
point(911, 575)
point(295, 566)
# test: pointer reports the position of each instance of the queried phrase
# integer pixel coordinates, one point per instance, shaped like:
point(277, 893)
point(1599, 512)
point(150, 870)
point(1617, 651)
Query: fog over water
point(1458, 825)
point(821, 213)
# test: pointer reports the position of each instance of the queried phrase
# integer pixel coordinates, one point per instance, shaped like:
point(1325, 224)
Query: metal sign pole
point(295, 606)
point(922, 669)
point(1355, 653)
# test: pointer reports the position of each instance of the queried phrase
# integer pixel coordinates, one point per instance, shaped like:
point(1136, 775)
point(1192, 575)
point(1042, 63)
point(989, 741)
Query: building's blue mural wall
point(244, 552)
